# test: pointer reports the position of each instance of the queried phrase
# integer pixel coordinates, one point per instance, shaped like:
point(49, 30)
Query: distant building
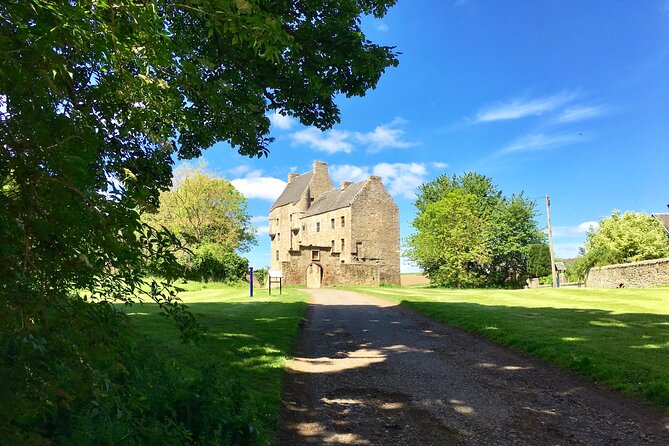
point(322, 235)
point(664, 219)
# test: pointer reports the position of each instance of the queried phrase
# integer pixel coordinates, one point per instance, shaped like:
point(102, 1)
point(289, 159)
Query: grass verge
point(618, 337)
point(246, 346)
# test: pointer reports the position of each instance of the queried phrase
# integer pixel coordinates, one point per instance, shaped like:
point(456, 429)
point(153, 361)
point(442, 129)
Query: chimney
point(345, 184)
point(374, 178)
point(292, 176)
point(320, 167)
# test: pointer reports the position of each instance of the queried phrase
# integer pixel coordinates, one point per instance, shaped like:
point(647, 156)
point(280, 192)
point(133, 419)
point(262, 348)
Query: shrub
point(211, 262)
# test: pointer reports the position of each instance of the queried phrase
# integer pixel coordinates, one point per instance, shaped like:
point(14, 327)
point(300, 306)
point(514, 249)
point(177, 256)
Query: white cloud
point(347, 172)
point(256, 186)
point(574, 231)
point(283, 122)
point(538, 141)
point(331, 141)
point(439, 165)
point(386, 136)
point(238, 170)
point(380, 26)
point(580, 113)
point(263, 228)
point(399, 178)
point(521, 108)
point(567, 250)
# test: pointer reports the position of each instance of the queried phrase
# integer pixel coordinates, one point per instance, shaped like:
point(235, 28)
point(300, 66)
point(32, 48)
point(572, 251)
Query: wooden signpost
point(275, 277)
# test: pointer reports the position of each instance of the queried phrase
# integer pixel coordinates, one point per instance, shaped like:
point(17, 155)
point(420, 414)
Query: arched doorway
point(314, 275)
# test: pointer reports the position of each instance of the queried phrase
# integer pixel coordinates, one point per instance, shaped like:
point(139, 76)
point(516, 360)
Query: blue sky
point(569, 98)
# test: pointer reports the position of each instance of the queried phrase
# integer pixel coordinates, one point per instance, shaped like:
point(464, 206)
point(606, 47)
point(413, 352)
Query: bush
point(261, 275)
point(539, 260)
point(211, 262)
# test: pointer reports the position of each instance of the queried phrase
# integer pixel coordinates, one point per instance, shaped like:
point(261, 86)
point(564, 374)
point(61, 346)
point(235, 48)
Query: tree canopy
point(201, 209)
point(97, 99)
point(623, 238)
point(468, 234)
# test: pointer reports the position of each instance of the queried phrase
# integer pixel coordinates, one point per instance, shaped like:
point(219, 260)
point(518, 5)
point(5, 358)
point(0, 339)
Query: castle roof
point(293, 191)
point(335, 199)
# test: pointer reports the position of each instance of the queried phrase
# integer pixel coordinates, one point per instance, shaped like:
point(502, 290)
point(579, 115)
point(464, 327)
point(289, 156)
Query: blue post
point(251, 281)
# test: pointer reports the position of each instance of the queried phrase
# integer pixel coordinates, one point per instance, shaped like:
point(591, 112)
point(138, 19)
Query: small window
point(358, 249)
point(342, 245)
point(291, 217)
point(332, 223)
point(333, 245)
point(303, 228)
point(343, 221)
point(318, 227)
point(278, 236)
point(277, 254)
point(315, 255)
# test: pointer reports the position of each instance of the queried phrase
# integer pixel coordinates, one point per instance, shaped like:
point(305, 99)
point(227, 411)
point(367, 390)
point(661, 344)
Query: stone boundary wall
point(630, 275)
point(356, 274)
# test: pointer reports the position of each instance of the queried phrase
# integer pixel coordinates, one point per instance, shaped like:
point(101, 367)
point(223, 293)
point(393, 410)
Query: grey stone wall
point(630, 275)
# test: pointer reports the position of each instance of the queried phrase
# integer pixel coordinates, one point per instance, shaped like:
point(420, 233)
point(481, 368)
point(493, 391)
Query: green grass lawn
point(619, 337)
point(247, 343)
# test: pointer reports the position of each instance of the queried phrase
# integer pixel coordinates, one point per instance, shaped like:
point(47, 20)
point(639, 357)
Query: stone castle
point(322, 235)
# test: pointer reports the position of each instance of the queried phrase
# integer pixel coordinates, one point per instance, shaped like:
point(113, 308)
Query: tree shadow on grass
point(245, 343)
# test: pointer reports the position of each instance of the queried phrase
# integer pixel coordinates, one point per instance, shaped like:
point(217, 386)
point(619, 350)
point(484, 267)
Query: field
point(246, 344)
point(618, 337)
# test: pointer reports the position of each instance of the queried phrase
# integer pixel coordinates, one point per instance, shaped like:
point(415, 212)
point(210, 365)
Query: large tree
point(623, 238)
point(202, 209)
point(97, 98)
point(469, 234)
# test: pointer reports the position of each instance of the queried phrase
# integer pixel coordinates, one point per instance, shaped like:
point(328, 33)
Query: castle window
point(278, 236)
point(358, 249)
point(315, 255)
point(303, 228)
point(342, 245)
point(291, 217)
point(332, 223)
point(333, 245)
point(343, 221)
point(277, 254)
point(318, 227)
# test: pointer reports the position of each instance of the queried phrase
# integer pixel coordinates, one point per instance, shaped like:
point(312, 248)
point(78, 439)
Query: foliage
point(468, 234)
point(539, 260)
point(261, 275)
point(622, 238)
point(96, 100)
point(616, 337)
point(215, 262)
point(201, 209)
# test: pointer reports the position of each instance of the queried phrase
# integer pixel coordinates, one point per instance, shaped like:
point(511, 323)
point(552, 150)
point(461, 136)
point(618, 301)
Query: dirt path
point(370, 373)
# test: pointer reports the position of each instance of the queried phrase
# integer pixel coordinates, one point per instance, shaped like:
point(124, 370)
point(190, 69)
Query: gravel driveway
point(368, 372)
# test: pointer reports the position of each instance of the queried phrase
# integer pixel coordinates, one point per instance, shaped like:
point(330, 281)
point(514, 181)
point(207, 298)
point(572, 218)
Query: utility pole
point(550, 239)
